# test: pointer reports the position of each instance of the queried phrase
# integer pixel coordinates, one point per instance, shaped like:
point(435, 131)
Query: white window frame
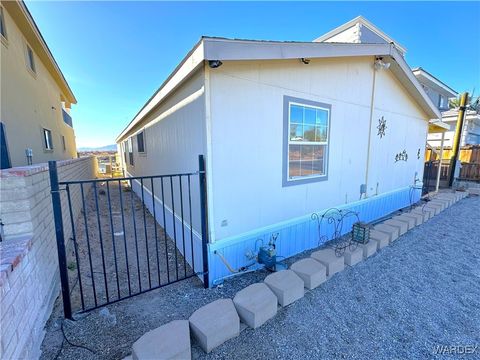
point(30, 61)
point(131, 161)
point(287, 180)
point(144, 143)
point(47, 139)
point(4, 25)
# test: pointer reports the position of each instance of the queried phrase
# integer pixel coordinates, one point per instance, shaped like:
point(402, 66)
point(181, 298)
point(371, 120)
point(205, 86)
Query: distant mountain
point(112, 147)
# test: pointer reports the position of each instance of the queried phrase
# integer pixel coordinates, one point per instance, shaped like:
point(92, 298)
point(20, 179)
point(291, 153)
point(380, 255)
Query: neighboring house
point(470, 131)
point(287, 129)
point(35, 98)
point(440, 93)
point(437, 90)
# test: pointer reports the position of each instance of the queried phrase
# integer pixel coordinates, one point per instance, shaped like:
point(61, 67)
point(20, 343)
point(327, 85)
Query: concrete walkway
point(419, 293)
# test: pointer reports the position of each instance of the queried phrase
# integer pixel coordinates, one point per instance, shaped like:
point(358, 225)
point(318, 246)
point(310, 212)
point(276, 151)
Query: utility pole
point(458, 136)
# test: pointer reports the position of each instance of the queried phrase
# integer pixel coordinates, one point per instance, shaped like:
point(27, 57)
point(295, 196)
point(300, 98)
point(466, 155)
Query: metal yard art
point(336, 218)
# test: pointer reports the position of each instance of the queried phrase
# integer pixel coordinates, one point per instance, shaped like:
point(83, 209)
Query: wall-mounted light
point(214, 63)
point(380, 64)
point(305, 61)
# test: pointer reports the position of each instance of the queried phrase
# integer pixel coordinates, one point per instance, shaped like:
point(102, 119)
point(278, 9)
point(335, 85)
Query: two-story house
point(440, 93)
point(36, 125)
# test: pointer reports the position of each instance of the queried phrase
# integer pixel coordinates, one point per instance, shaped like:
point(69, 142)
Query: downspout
point(372, 102)
point(208, 148)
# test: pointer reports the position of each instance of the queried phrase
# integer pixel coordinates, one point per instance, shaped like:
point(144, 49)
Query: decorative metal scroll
point(382, 126)
point(334, 217)
point(403, 156)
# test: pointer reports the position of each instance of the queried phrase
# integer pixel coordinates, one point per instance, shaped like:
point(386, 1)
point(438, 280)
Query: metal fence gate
point(121, 237)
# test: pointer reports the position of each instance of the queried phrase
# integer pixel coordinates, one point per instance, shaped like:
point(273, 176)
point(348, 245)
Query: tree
point(473, 103)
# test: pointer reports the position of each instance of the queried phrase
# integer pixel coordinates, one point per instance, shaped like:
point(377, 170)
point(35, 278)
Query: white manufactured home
point(287, 129)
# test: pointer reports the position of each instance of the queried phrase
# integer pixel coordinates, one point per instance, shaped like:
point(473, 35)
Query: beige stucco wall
point(29, 275)
point(29, 103)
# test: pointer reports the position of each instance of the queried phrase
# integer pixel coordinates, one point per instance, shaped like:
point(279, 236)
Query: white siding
point(406, 130)
point(247, 138)
point(174, 137)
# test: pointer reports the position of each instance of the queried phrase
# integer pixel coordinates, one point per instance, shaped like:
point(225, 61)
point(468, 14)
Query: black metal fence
point(128, 235)
point(429, 176)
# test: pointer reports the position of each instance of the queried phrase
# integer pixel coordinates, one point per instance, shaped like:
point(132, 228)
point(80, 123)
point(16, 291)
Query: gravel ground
point(118, 240)
point(421, 292)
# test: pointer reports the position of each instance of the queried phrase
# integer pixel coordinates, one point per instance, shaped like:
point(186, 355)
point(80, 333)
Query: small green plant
point(71, 265)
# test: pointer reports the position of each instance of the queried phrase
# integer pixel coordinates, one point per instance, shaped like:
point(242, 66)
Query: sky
point(115, 55)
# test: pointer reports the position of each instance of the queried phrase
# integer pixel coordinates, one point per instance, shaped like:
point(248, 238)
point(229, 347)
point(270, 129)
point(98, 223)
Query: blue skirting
point(300, 234)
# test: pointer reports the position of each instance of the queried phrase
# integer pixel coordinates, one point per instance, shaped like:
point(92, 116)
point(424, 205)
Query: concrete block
point(169, 341)
point(400, 225)
point(286, 286)
point(330, 260)
point(310, 271)
point(382, 239)
point(426, 213)
point(353, 257)
point(392, 232)
point(437, 208)
point(255, 304)
point(410, 222)
point(443, 202)
point(215, 323)
point(450, 199)
point(368, 249)
point(418, 218)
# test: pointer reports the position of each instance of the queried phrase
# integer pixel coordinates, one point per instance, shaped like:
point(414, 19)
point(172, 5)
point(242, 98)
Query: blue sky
point(116, 54)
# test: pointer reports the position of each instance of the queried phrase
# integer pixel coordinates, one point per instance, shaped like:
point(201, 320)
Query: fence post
point(203, 217)
point(62, 257)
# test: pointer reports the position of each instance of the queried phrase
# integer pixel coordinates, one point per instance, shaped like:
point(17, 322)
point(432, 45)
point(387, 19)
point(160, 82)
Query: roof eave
point(415, 88)
point(238, 50)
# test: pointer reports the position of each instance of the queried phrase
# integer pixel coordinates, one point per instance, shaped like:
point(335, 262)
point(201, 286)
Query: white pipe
point(372, 102)
point(440, 162)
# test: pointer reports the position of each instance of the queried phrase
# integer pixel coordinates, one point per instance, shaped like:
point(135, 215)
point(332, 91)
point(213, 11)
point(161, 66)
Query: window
point(30, 59)
point(306, 141)
point(64, 144)
point(130, 151)
point(141, 142)
point(125, 152)
point(67, 119)
point(47, 138)
point(3, 29)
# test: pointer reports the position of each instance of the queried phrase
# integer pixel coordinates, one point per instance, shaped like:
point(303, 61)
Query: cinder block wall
point(29, 276)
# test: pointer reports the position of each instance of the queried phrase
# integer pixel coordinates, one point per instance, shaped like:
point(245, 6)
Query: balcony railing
point(67, 118)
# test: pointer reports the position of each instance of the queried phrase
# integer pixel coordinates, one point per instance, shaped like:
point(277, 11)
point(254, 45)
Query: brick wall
point(29, 277)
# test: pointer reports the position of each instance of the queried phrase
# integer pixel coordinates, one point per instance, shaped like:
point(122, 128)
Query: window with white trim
point(30, 59)
point(47, 139)
point(130, 151)
point(141, 142)
point(3, 29)
point(307, 140)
